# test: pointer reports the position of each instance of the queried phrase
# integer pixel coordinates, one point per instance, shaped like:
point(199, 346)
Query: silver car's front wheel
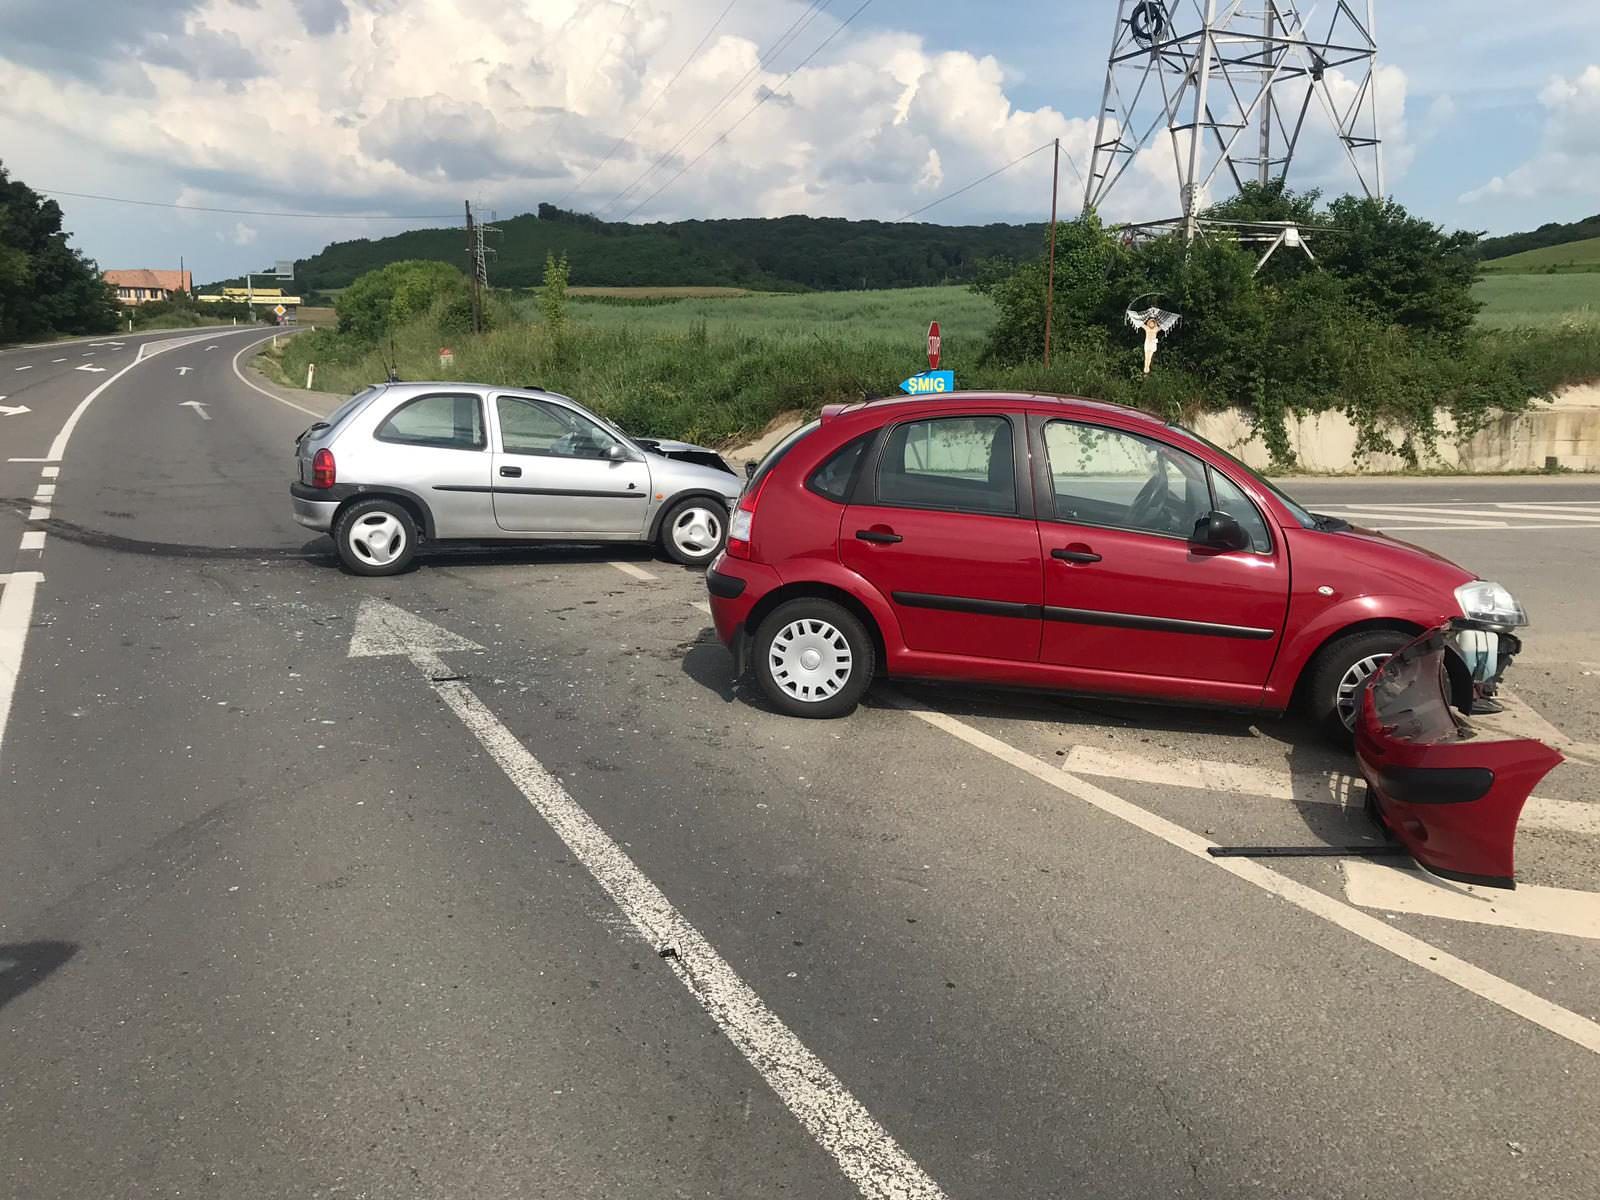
point(694, 531)
point(375, 537)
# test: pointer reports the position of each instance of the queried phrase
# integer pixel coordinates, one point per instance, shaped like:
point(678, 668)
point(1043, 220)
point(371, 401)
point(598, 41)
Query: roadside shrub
point(381, 301)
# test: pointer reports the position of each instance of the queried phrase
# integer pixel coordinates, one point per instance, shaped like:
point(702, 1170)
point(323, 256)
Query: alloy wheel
point(697, 532)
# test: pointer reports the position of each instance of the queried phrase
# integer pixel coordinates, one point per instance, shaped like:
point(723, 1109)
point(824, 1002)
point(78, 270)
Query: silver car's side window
point(534, 427)
point(444, 422)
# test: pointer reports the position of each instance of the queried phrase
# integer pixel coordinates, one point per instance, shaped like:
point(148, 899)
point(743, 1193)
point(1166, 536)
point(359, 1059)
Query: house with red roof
point(144, 286)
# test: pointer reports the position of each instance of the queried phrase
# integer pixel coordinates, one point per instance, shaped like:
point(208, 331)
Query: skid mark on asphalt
point(864, 1150)
point(1541, 909)
point(1548, 1015)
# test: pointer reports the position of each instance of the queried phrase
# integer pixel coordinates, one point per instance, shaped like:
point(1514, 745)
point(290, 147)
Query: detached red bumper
point(1448, 792)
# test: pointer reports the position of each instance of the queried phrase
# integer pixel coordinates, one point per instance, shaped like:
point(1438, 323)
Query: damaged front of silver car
point(1451, 792)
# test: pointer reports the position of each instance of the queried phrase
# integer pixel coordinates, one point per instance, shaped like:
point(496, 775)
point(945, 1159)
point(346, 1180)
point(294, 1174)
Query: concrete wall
point(1567, 429)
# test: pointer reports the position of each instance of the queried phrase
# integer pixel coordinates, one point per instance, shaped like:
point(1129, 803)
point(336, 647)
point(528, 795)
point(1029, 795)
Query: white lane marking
point(213, 346)
point(1539, 909)
point(637, 572)
point(39, 512)
point(59, 447)
point(702, 605)
point(33, 539)
point(51, 472)
point(1546, 1014)
point(29, 367)
point(88, 354)
point(32, 460)
point(91, 369)
point(198, 406)
point(865, 1152)
point(183, 370)
point(56, 360)
point(1515, 511)
point(13, 410)
point(16, 614)
point(1372, 517)
point(1387, 528)
point(1302, 787)
point(270, 395)
point(47, 491)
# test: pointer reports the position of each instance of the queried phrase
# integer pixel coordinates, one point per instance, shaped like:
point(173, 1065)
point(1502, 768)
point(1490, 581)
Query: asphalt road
point(526, 899)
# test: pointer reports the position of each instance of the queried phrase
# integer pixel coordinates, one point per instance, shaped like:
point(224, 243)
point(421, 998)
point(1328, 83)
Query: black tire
point(375, 537)
point(797, 627)
point(1328, 672)
point(702, 548)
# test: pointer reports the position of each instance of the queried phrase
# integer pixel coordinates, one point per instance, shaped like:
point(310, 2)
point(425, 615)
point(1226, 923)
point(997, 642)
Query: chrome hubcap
point(810, 660)
point(1350, 687)
point(377, 539)
point(697, 532)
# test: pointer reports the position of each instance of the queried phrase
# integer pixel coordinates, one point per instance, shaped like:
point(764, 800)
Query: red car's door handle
point(882, 537)
point(1075, 556)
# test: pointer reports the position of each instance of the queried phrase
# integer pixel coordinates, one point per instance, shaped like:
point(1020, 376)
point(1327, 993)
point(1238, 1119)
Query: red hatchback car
point(1066, 544)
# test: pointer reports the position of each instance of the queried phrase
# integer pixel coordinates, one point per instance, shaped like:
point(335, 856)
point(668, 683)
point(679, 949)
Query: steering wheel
point(1151, 502)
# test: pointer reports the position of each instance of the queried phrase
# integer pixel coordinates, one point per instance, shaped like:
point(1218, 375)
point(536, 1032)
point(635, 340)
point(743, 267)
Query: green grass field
point(1515, 301)
point(899, 315)
point(1581, 255)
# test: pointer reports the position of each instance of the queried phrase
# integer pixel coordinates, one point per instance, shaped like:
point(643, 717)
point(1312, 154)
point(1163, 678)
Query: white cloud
point(243, 235)
point(379, 105)
point(1567, 162)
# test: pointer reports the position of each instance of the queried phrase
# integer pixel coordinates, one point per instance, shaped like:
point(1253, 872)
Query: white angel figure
point(1154, 322)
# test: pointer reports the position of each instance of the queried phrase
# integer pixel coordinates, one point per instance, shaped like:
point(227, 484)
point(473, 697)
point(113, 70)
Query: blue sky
point(411, 106)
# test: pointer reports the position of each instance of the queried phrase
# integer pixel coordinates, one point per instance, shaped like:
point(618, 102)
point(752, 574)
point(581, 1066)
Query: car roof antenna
point(394, 361)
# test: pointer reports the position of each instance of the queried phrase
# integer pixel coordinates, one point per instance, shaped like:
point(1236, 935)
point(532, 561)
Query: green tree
point(46, 287)
point(1400, 269)
point(380, 300)
point(553, 293)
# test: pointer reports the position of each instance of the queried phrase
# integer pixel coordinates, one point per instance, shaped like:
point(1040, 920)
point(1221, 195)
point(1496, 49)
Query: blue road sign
point(930, 383)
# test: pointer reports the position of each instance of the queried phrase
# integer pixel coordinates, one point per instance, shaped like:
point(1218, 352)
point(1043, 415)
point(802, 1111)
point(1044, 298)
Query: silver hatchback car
point(402, 463)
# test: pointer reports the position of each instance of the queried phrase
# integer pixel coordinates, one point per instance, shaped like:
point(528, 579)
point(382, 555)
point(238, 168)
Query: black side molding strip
point(970, 604)
point(725, 587)
point(1094, 616)
point(516, 491)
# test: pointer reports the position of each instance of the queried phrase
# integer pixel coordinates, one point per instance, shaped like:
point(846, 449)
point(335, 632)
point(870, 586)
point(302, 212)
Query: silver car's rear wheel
point(693, 531)
point(375, 537)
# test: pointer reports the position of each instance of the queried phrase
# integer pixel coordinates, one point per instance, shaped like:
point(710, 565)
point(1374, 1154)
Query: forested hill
point(1556, 233)
point(782, 253)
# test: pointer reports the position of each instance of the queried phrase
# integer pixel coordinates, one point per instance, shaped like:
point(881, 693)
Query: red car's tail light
point(323, 474)
point(744, 519)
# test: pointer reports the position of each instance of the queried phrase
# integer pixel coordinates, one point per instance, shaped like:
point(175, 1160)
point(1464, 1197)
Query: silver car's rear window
point(352, 406)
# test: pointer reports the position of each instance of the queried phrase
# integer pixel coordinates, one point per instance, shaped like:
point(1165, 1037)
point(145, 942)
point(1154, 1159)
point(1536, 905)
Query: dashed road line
point(39, 512)
point(640, 573)
point(33, 539)
point(1546, 1014)
point(16, 614)
point(50, 472)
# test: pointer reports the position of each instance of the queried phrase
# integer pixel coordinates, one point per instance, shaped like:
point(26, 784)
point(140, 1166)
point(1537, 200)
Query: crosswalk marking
point(1408, 515)
point(1540, 909)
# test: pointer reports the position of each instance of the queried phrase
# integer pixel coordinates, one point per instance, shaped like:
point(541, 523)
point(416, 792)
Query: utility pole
point(1050, 287)
point(472, 270)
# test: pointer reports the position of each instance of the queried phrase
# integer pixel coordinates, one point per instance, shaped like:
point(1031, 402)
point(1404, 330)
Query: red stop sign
point(934, 341)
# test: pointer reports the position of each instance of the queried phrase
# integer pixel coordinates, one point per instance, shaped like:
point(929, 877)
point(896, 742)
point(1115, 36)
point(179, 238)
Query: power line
point(765, 96)
point(975, 183)
point(661, 95)
point(783, 43)
point(248, 212)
